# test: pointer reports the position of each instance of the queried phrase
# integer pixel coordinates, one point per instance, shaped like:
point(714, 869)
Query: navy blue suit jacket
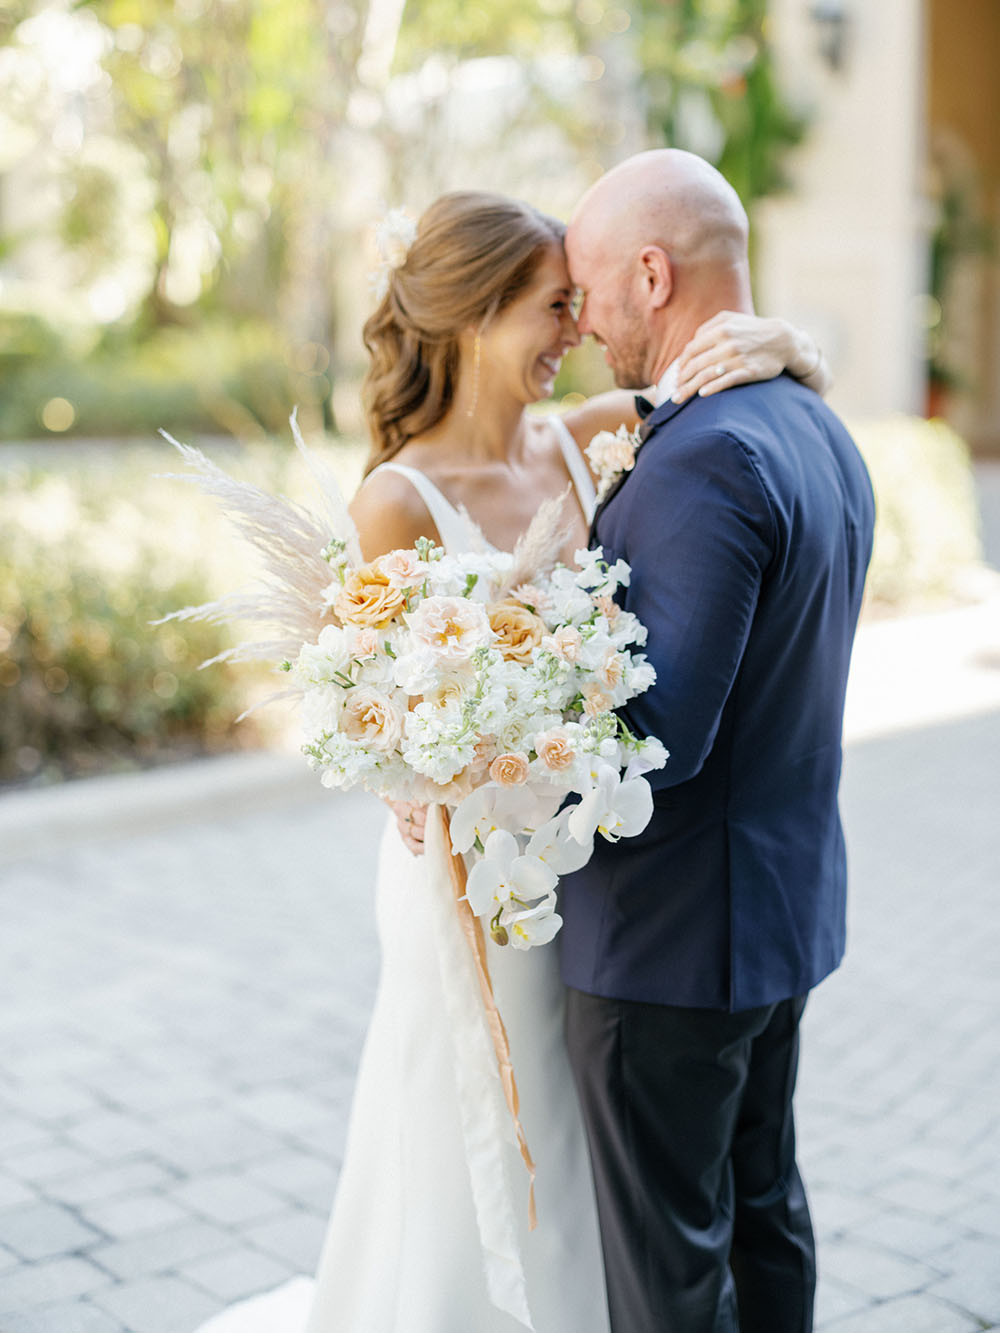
point(747, 521)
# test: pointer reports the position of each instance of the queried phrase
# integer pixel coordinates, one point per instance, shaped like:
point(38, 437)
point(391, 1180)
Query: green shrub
point(94, 546)
point(231, 377)
point(927, 530)
point(90, 554)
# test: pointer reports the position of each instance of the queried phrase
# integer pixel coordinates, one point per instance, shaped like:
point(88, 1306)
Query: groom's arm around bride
point(689, 950)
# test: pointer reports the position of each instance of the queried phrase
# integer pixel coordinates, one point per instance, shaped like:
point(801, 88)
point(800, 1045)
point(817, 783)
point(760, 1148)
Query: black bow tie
point(643, 406)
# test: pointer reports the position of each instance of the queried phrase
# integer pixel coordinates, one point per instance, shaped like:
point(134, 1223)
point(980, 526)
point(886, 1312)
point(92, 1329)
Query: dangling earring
point(475, 377)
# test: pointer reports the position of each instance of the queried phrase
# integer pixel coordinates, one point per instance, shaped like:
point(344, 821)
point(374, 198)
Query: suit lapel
point(659, 417)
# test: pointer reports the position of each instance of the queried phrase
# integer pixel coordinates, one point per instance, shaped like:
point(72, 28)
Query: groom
point(689, 950)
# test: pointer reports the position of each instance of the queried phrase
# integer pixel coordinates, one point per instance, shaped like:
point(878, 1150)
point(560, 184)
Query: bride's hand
point(411, 820)
point(734, 348)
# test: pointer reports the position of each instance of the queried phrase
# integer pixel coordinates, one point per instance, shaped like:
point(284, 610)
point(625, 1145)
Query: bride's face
point(522, 347)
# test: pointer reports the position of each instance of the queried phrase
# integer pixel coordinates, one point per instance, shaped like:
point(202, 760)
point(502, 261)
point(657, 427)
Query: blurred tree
point(710, 87)
point(208, 167)
point(237, 110)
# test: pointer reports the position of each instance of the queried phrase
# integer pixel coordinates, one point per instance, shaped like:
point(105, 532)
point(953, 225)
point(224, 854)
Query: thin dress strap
point(453, 528)
point(583, 482)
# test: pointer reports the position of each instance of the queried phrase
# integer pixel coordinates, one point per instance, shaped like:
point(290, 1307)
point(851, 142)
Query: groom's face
point(609, 309)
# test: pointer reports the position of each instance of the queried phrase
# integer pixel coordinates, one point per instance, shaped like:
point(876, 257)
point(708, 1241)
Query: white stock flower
point(640, 676)
point(651, 754)
point(321, 662)
point(506, 875)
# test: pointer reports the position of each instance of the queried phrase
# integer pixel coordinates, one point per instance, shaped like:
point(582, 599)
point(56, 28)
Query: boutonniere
point(611, 454)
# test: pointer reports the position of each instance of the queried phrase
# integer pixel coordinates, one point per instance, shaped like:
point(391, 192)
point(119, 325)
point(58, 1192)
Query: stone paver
point(184, 990)
point(160, 1305)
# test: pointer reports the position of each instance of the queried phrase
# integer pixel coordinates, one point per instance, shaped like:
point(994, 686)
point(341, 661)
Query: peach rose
point(449, 692)
point(509, 770)
point(609, 608)
point(452, 627)
point(565, 642)
point(367, 598)
point(554, 750)
point(518, 630)
point(372, 718)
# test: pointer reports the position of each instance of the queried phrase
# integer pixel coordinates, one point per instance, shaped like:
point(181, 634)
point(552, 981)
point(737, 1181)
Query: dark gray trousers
point(703, 1214)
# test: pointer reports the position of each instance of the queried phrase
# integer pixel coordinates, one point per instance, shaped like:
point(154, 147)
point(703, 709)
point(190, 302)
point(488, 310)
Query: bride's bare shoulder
point(389, 514)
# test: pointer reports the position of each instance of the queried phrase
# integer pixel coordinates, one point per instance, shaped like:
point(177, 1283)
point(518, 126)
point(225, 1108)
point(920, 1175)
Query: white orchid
point(491, 807)
point(557, 847)
point(613, 808)
point(531, 926)
point(505, 875)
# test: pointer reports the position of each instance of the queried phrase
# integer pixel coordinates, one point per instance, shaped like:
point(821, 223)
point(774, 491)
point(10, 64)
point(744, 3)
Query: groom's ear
point(657, 275)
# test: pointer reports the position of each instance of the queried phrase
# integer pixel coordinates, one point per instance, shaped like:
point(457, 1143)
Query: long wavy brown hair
point(473, 254)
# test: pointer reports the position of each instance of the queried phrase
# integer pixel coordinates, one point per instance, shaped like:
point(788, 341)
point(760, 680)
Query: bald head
point(658, 245)
point(668, 198)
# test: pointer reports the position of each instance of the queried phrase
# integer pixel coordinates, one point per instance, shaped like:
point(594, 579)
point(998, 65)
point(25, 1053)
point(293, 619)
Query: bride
point(429, 1231)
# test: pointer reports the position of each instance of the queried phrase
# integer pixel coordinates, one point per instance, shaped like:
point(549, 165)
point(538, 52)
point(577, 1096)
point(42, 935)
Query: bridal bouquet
point(486, 681)
point(439, 681)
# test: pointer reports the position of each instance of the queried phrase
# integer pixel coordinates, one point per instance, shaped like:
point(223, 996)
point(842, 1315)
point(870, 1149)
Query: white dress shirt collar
point(667, 384)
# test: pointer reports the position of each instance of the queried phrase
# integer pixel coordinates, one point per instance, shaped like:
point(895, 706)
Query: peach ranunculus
point(365, 642)
point(564, 642)
point(452, 627)
point(518, 630)
point(484, 753)
point(403, 569)
point(554, 750)
point(509, 770)
point(530, 596)
point(611, 672)
point(371, 717)
point(609, 608)
point(595, 700)
point(368, 598)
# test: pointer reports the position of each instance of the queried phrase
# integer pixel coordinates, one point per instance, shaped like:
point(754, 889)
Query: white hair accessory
point(394, 234)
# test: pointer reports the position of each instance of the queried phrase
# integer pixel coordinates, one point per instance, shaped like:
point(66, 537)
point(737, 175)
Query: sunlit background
point(186, 198)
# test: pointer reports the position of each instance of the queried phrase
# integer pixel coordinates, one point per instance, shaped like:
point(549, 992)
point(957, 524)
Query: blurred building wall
point(845, 252)
point(963, 64)
point(904, 97)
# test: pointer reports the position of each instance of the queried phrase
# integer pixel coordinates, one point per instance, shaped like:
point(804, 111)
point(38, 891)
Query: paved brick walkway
point(183, 996)
point(181, 1012)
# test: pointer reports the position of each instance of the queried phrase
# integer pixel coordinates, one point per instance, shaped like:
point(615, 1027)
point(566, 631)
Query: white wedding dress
point(429, 1231)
